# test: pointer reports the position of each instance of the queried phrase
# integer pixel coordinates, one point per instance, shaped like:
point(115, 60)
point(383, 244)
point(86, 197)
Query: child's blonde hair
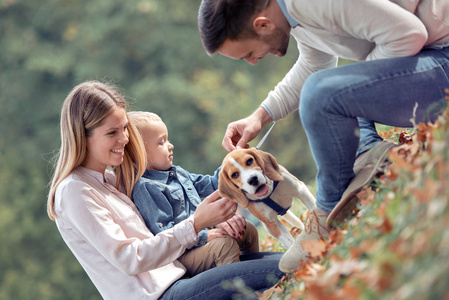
point(141, 118)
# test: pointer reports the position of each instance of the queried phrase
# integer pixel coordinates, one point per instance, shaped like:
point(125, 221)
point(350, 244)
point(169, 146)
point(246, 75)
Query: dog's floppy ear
point(228, 190)
point(268, 164)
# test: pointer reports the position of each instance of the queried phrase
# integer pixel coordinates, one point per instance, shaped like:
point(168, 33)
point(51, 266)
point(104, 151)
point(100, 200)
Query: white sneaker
point(315, 229)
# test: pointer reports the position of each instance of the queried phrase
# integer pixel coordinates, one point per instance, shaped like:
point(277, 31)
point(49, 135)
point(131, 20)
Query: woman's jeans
point(257, 271)
point(339, 106)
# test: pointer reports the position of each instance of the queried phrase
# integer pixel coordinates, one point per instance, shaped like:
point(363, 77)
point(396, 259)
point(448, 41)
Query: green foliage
point(151, 49)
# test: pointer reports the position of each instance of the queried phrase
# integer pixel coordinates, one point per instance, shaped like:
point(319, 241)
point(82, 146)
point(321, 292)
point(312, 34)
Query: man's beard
point(278, 41)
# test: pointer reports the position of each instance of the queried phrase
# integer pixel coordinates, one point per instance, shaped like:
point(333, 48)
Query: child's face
point(158, 149)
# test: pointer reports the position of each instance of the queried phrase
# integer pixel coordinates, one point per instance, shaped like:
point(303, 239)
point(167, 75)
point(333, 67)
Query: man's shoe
point(367, 166)
point(315, 229)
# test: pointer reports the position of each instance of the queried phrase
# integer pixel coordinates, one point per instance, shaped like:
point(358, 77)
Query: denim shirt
point(165, 198)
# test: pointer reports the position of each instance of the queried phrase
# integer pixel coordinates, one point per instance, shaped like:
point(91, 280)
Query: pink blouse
point(105, 232)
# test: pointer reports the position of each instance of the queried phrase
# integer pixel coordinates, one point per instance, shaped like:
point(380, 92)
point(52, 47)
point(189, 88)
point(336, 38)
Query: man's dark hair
point(219, 20)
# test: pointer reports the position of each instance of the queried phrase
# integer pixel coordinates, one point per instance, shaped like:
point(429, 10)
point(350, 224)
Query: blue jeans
point(339, 106)
point(258, 271)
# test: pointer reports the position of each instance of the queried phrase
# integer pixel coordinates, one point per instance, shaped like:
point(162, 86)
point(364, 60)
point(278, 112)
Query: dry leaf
point(405, 138)
point(315, 248)
point(308, 271)
point(366, 196)
point(295, 231)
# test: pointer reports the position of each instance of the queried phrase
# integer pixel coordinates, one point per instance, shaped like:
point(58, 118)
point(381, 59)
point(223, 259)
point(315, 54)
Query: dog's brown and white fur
point(250, 174)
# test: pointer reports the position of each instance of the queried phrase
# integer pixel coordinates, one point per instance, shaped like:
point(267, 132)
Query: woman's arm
point(124, 239)
point(116, 231)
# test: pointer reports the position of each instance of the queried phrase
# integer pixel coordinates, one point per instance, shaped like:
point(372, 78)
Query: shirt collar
point(160, 175)
point(97, 175)
point(291, 21)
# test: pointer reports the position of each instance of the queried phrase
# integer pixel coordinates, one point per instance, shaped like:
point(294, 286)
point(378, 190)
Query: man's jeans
point(339, 106)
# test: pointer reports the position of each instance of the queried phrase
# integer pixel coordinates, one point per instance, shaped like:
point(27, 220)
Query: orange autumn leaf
point(269, 293)
point(366, 196)
point(363, 248)
point(422, 132)
point(308, 271)
point(405, 138)
point(385, 227)
point(350, 291)
point(318, 292)
point(295, 231)
point(386, 134)
point(392, 174)
point(400, 247)
point(336, 236)
point(315, 248)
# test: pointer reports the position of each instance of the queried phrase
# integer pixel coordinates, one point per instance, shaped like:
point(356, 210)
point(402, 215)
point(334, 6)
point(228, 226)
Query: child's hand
point(211, 211)
point(235, 226)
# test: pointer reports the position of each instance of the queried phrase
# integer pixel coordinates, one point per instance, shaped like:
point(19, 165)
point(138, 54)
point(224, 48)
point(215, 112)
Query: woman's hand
point(211, 211)
point(234, 227)
point(241, 132)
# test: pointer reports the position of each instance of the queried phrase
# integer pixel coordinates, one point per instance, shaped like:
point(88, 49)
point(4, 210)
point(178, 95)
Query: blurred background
point(152, 50)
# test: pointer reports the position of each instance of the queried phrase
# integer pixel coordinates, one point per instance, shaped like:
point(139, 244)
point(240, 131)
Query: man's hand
point(241, 132)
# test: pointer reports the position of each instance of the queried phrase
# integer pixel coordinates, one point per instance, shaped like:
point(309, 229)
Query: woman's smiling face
point(106, 144)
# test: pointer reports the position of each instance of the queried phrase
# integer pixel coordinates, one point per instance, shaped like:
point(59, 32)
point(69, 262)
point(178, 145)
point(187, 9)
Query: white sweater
point(357, 30)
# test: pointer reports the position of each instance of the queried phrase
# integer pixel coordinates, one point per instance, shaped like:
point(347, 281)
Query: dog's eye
point(249, 162)
point(235, 175)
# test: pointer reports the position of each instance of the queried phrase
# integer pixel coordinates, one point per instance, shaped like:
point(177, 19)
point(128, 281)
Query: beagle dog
point(253, 179)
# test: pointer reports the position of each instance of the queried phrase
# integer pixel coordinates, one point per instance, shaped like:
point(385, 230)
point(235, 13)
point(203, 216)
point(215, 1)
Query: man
point(403, 53)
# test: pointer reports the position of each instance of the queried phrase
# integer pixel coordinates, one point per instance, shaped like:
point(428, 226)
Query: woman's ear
point(228, 190)
point(268, 164)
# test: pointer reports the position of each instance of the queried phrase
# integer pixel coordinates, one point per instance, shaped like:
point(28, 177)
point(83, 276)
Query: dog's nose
point(253, 181)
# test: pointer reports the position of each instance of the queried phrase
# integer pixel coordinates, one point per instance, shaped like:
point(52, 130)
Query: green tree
point(151, 49)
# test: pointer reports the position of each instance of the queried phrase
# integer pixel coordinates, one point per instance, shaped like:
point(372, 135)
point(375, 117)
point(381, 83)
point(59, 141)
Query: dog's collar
point(273, 205)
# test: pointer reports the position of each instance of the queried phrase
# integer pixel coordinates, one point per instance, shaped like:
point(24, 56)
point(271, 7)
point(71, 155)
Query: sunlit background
point(152, 50)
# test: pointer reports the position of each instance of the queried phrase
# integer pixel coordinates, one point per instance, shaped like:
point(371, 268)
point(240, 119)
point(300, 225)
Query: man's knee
point(309, 107)
point(319, 95)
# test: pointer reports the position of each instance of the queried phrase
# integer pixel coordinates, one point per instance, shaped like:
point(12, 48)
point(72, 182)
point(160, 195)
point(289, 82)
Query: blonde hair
point(141, 118)
point(83, 110)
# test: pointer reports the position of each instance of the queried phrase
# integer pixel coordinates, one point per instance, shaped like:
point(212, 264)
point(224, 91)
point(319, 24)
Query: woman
point(92, 209)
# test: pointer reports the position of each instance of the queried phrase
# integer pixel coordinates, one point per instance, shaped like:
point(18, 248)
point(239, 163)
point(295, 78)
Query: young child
point(167, 194)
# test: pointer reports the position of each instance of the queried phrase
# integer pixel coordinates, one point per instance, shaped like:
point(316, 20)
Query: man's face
point(254, 49)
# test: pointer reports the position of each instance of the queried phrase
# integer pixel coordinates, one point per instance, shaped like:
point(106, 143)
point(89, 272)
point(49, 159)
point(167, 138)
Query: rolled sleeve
point(185, 233)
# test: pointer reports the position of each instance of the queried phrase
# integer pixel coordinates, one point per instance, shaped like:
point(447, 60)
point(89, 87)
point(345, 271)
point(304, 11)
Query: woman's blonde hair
point(83, 110)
